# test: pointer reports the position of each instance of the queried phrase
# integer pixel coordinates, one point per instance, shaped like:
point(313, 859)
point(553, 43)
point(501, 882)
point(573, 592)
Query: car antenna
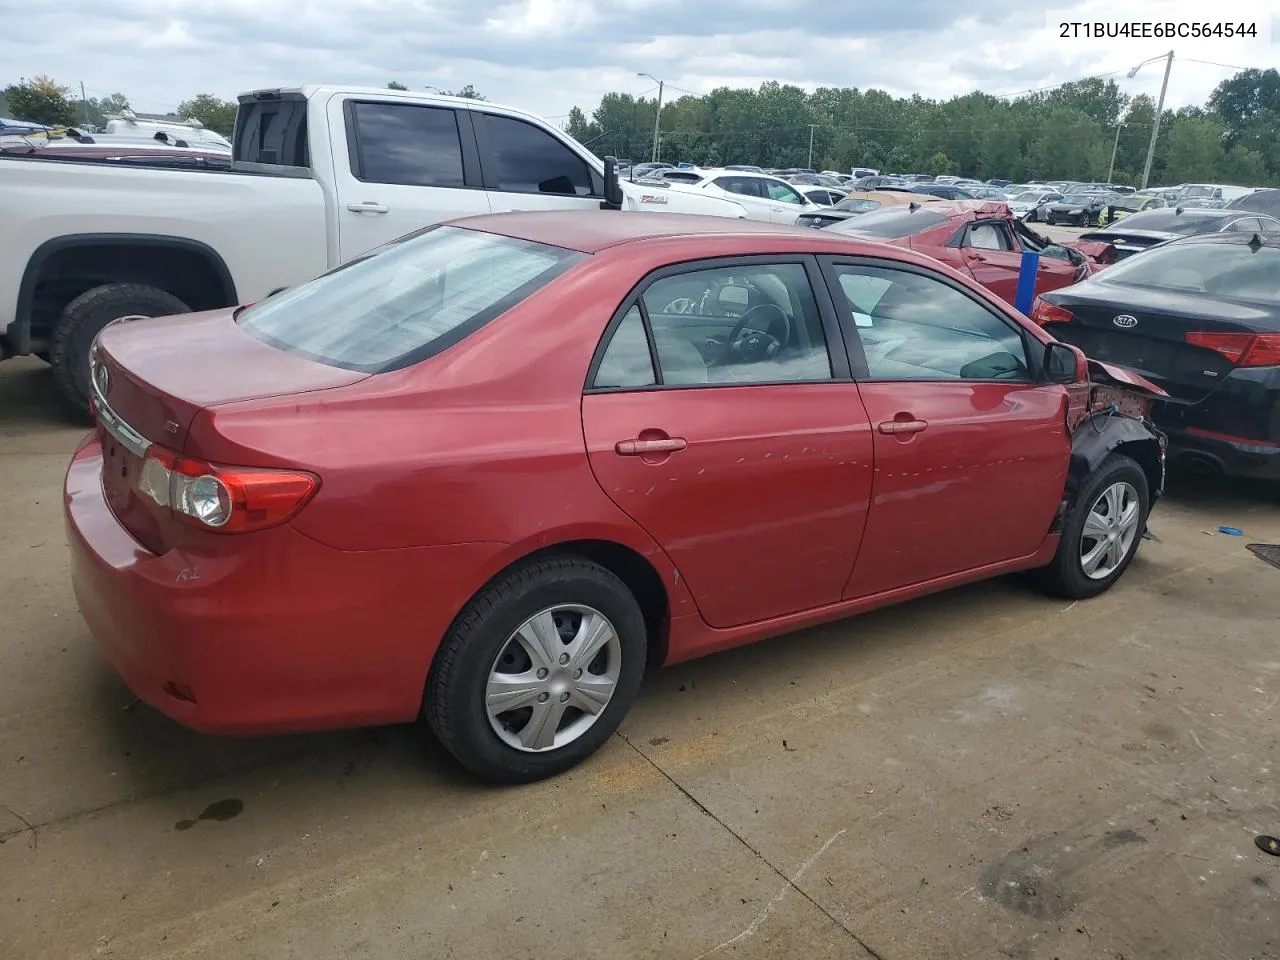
point(1178, 211)
point(1256, 242)
point(913, 206)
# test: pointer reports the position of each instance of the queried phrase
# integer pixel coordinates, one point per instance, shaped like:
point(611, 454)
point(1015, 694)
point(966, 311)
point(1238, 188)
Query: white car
point(762, 196)
point(1027, 204)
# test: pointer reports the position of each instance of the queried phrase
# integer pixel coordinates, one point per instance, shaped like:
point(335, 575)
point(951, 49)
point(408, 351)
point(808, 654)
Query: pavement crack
point(27, 825)
point(790, 883)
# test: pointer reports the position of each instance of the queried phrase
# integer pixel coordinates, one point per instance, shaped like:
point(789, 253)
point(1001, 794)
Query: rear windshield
point(408, 300)
point(272, 131)
point(1228, 270)
point(1168, 221)
point(858, 204)
point(891, 223)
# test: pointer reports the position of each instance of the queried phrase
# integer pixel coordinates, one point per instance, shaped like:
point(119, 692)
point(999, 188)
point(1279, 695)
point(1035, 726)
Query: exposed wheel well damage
point(1098, 436)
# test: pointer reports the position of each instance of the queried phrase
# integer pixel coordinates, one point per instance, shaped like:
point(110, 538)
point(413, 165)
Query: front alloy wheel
point(1109, 530)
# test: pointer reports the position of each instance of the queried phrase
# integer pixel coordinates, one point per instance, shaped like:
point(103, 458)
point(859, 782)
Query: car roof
point(591, 231)
point(1238, 239)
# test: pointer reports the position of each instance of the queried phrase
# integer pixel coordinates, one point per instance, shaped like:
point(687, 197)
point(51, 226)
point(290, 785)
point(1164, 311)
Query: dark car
point(1200, 317)
point(1079, 209)
point(876, 182)
point(944, 191)
point(995, 182)
point(1139, 231)
point(1260, 201)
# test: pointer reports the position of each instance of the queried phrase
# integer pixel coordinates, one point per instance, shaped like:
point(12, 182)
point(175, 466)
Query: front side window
point(914, 327)
point(988, 236)
point(530, 160)
point(406, 143)
point(783, 193)
point(748, 324)
point(406, 301)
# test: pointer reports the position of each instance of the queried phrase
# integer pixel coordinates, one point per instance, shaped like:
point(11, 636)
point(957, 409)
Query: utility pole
point(811, 128)
point(657, 120)
point(1155, 125)
point(84, 100)
point(1114, 150)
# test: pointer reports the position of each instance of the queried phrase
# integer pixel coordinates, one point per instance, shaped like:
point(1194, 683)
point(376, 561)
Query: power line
point(1211, 63)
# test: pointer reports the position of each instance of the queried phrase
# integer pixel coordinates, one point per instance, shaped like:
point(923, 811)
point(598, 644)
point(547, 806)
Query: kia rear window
point(408, 300)
point(1228, 270)
point(891, 223)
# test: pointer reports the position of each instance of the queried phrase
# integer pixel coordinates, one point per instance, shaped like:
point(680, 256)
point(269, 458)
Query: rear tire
point(84, 317)
point(485, 649)
point(1066, 575)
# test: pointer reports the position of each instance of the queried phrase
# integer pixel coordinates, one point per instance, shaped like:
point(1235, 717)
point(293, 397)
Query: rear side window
point(272, 131)
point(530, 160)
point(406, 143)
point(408, 300)
point(891, 223)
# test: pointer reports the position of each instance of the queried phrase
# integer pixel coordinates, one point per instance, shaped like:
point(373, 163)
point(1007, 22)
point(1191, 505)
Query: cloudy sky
point(548, 55)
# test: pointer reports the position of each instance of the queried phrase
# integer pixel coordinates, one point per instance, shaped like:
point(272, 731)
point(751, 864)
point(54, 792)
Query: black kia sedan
point(1200, 317)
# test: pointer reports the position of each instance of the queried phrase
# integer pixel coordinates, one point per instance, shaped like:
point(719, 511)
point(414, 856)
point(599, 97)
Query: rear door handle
point(640, 448)
point(368, 206)
point(895, 428)
point(977, 256)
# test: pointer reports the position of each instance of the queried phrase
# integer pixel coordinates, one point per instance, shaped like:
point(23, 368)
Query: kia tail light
point(1242, 349)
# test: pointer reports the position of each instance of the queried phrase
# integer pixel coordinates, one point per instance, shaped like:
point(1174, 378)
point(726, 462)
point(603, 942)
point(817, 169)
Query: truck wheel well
point(62, 269)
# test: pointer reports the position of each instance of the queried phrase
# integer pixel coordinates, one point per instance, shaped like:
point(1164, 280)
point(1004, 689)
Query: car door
point(749, 192)
point(991, 256)
point(402, 166)
point(746, 452)
point(971, 452)
point(527, 168)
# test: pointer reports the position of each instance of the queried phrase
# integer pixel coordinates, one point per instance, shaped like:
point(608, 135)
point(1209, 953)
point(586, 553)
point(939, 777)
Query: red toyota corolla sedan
point(493, 471)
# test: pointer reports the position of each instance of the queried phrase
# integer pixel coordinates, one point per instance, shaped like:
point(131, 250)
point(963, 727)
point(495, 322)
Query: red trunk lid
point(154, 376)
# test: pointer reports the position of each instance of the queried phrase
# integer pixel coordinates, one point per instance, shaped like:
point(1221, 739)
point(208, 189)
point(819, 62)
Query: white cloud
point(548, 55)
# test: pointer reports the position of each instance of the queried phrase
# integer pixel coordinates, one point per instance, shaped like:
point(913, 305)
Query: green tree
point(467, 93)
point(938, 164)
point(217, 115)
point(40, 100)
point(1244, 166)
point(99, 108)
point(396, 85)
point(1194, 149)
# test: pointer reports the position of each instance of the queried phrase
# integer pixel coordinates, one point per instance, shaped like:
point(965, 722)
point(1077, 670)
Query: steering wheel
point(753, 338)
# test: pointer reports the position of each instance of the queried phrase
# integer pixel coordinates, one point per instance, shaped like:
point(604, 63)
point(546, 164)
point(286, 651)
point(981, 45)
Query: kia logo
point(1125, 321)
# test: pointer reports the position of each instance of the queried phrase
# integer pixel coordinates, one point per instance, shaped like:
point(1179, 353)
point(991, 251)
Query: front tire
point(538, 670)
point(1101, 532)
point(82, 320)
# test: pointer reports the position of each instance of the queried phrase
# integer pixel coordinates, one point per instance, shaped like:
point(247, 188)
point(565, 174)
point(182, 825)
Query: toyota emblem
point(101, 379)
point(1125, 321)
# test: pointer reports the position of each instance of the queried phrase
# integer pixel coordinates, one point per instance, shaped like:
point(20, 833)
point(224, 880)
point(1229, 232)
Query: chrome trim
point(124, 434)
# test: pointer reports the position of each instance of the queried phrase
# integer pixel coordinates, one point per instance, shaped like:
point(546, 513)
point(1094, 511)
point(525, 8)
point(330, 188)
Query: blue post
point(1026, 282)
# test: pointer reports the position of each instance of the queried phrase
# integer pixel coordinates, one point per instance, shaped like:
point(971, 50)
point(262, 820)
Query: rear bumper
point(1236, 457)
point(271, 632)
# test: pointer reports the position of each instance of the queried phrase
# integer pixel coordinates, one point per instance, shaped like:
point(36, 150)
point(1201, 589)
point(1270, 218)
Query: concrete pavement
point(986, 773)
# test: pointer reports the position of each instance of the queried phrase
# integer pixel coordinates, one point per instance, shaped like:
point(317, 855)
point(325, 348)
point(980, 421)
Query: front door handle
point(896, 428)
point(977, 256)
point(642, 448)
point(368, 206)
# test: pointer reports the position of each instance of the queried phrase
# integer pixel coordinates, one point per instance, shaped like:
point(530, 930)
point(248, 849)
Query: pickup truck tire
point(85, 316)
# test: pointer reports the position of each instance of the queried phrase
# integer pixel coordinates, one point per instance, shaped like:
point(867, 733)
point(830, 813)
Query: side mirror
point(1064, 363)
point(612, 186)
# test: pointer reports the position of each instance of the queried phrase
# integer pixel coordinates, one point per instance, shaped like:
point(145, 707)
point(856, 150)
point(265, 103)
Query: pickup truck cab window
point(529, 160)
point(407, 144)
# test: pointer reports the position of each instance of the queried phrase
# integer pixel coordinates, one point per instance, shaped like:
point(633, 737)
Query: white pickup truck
point(319, 175)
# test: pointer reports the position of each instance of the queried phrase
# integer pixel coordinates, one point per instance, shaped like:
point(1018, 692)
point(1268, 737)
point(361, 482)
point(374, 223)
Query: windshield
point(1027, 198)
point(1229, 270)
point(858, 204)
point(890, 224)
point(406, 301)
point(1078, 199)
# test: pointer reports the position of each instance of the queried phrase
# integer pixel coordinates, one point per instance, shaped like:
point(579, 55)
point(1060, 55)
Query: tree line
point(1069, 132)
point(1066, 133)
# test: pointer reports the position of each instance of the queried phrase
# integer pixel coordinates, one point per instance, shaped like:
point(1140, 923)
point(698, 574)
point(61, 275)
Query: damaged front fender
point(1112, 416)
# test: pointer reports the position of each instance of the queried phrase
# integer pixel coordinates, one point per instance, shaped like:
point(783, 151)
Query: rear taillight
point(1242, 349)
point(223, 499)
point(1043, 312)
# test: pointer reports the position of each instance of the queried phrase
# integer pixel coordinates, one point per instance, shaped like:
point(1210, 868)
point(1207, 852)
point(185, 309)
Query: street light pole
point(811, 127)
point(657, 120)
point(1155, 125)
point(1114, 150)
